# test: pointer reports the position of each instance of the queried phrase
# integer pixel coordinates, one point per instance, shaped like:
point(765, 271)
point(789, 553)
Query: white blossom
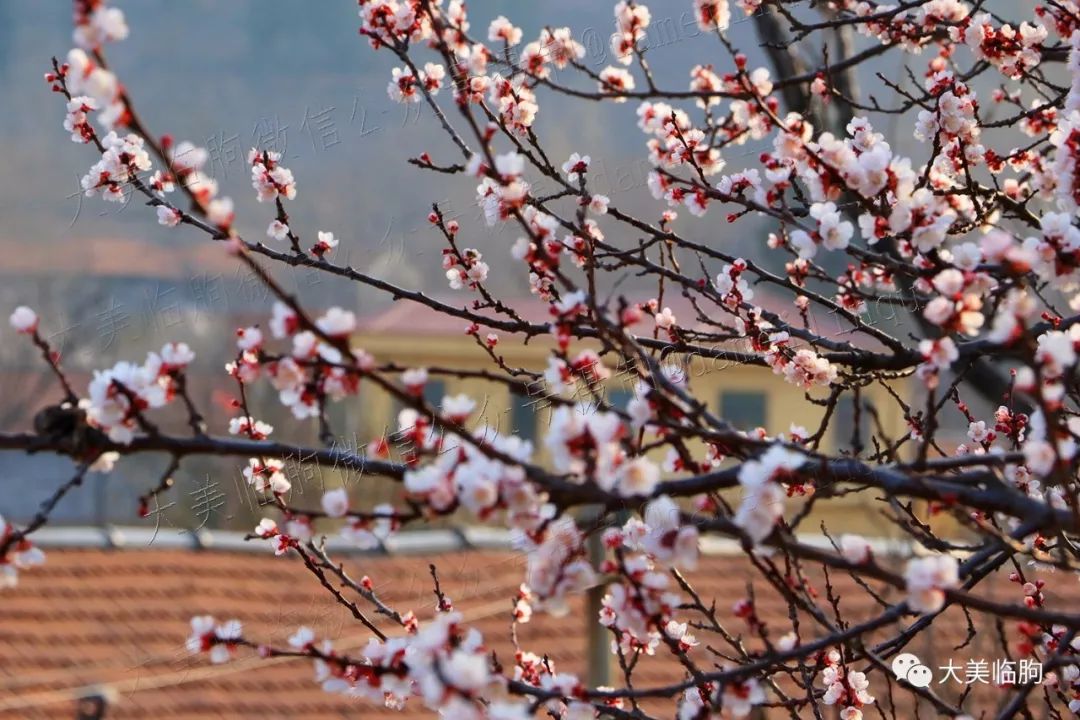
point(927, 580)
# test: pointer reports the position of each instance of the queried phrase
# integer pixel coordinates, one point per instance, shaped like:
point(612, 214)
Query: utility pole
point(598, 638)
point(598, 652)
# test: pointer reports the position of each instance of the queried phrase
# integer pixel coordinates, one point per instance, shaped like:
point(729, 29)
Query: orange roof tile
point(411, 317)
point(91, 618)
point(407, 317)
point(116, 257)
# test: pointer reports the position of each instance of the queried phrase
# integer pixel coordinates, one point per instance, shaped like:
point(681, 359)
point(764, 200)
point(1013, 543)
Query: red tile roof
point(117, 257)
point(407, 317)
point(119, 618)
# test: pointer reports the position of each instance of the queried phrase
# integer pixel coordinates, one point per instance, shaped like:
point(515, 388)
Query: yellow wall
point(785, 403)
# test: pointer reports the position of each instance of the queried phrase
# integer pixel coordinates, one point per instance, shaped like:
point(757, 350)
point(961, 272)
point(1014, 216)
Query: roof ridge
point(404, 543)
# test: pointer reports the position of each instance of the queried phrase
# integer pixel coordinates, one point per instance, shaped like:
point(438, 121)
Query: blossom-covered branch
point(974, 240)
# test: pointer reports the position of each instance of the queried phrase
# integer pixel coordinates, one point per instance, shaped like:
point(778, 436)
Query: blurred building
point(749, 397)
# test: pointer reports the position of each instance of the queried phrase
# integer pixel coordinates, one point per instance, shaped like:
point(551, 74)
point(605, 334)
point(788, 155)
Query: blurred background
point(111, 284)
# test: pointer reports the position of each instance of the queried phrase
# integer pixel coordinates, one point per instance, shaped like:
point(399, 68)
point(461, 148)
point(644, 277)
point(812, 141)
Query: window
point(339, 417)
point(433, 393)
point(745, 410)
point(843, 423)
point(618, 397)
point(523, 411)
